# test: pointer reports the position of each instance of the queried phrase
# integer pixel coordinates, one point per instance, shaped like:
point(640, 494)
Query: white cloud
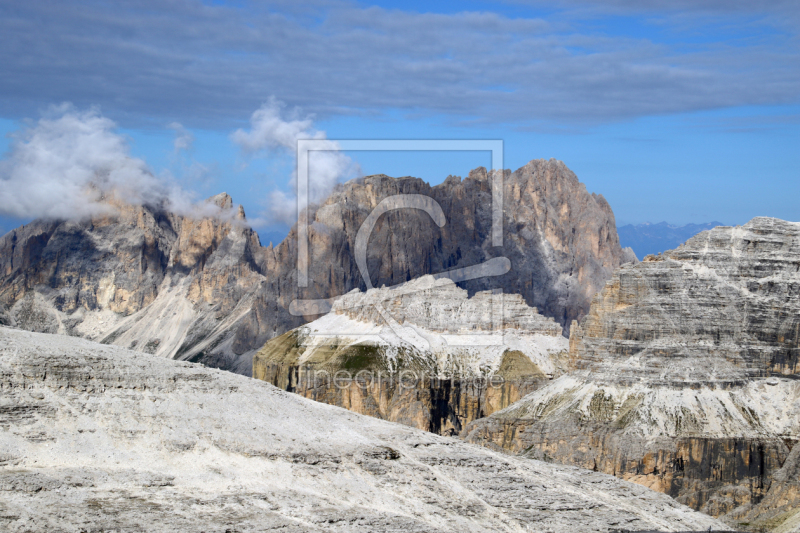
point(183, 138)
point(63, 165)
point(270, 133)
point(282, 208)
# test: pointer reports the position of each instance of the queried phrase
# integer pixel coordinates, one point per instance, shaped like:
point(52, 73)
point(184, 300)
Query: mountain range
point(204, 289)
point(522, 327)
point(651, 239)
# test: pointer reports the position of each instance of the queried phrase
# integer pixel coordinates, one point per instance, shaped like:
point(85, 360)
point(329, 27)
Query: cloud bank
point(63, 165)
point(270, 133)
point(205, 65)
point(66, 164)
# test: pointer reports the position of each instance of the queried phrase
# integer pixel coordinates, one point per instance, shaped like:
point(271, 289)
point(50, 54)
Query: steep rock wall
point(684, 375)
point(142, 278)
point(439, 365)
point(561, 240)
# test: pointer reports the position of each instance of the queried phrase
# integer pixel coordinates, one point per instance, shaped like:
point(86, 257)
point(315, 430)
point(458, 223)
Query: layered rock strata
point(423, 354)
point(98, 438)
point(685, 376)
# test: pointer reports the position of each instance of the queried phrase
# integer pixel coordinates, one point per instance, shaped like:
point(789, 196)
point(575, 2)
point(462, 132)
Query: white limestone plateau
point(686, 378)
point(433, 321)
point(99, 438)
point(459, 358)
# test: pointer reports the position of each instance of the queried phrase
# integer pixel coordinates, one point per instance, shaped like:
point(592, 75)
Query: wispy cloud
point(183, 137)
point(269, 132)
point(205, 65)
point(751, 122)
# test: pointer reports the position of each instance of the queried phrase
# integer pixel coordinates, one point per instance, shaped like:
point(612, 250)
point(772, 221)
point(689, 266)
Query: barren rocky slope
point(422, 353)
point(686, 380)
point(96, 438)
point(205, 290)
point(141, 278)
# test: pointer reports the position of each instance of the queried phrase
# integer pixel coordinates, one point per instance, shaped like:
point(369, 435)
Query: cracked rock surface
point(686, 378)
point(98, 438)
point(442, 359)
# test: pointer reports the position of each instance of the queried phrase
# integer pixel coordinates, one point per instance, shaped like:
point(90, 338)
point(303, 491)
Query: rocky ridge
point(423, 353)
point(561, 240)
point(685, 378)
point(143, 278)
point(96, 437)
point(202, 288)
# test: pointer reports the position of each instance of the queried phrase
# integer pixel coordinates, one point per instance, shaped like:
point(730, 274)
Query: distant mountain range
point(647, 238)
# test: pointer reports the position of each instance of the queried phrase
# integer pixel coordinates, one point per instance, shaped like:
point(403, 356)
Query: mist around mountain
point(647, 238)
point(201, 287)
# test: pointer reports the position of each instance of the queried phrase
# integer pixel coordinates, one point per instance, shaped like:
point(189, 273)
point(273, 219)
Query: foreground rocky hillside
point(205, 290)
point(423, 354)
point(98, 438)
point(686, 378)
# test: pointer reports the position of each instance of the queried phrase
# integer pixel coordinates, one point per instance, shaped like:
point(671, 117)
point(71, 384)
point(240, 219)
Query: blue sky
point(683, 111)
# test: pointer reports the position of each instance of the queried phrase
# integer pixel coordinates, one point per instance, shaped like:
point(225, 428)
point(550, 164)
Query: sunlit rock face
point(560, 239)
point(424, 354)
point(99, 438)
point(201, 287)
point(685, 376)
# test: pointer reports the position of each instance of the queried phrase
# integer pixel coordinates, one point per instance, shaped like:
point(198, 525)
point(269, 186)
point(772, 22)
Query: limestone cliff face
point(423, 354)
point(685, 376)
point(560, 239)
point(202, 288)
point(729, 299)
point(778, 510)
point(141, 277)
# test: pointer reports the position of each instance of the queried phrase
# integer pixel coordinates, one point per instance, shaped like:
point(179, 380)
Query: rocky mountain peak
point(222, 200)
point(439, 305)
point(478, 174)
point(428, 329)
point(737, 292)
point(140, 276)
point(560, 239)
